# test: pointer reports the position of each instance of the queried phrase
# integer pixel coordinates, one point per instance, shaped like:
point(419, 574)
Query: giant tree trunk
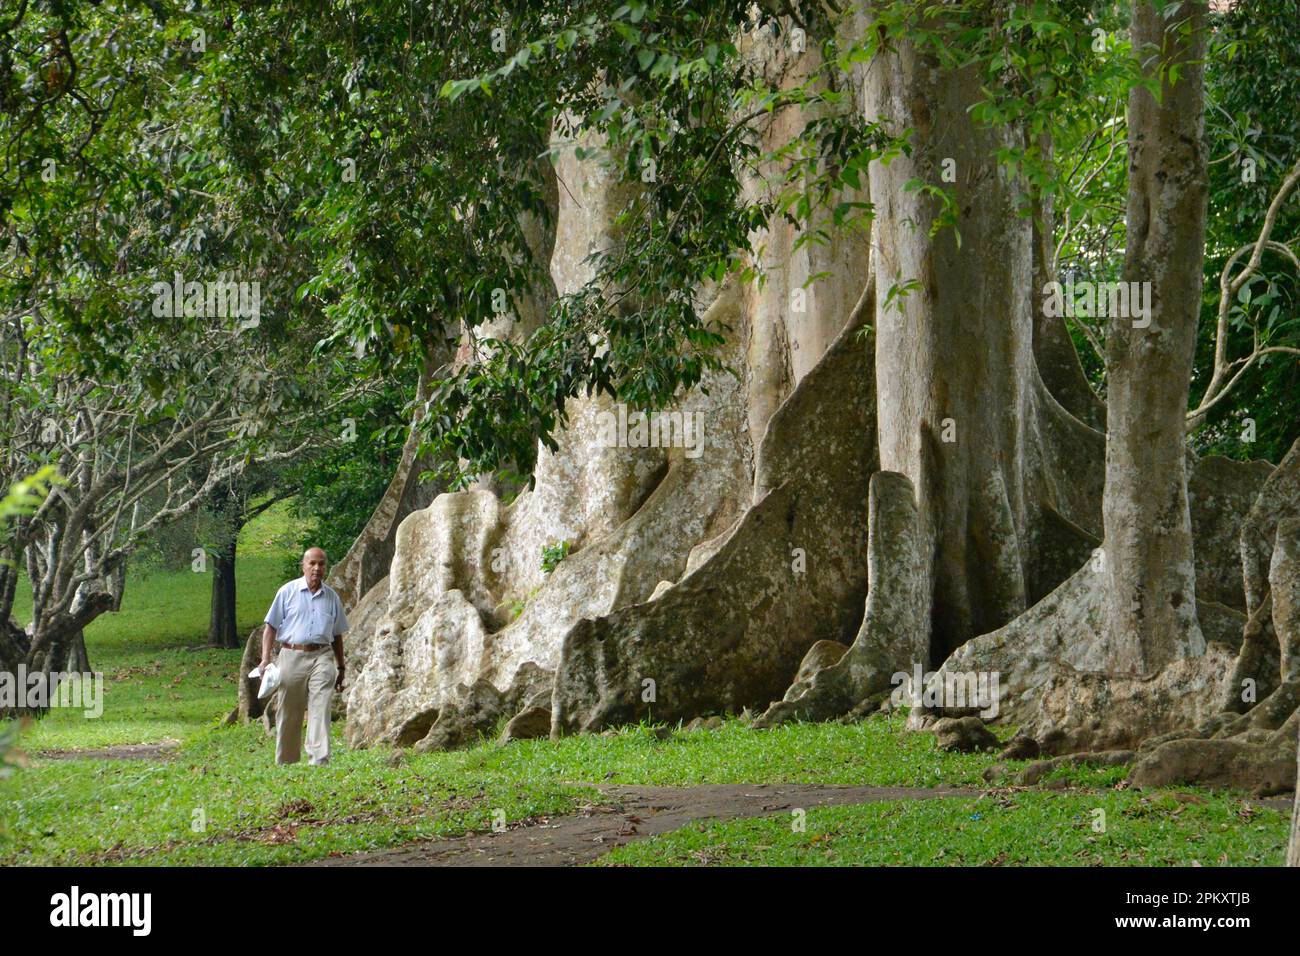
point(759, 519)
point(1117, 656)
point(1005, 504)
point(1148, 532)
point(954, 355)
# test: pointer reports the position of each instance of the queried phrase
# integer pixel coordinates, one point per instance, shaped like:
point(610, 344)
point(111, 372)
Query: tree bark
point(1148, 532)
point(13, 640)
point(222, 630)
point(954, 356)
point(1293, 845)
point(13, 649)
point(78, 658)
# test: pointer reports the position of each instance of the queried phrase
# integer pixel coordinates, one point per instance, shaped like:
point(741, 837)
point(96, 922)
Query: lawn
point(96, 811)
point(1019, 828)
point(221, 800)
point(157, 686)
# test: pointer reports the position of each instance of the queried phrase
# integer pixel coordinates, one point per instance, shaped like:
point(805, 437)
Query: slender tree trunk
point(9, 571)
point(13, 641)
point(58, 632)
point(222, 630)
point(1148, 531)
point(231, 505)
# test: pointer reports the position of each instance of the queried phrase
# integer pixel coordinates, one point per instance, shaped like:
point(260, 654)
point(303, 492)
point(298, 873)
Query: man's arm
point(338, 660)
point(276, 614)
point(268, 641)
point(340, 627)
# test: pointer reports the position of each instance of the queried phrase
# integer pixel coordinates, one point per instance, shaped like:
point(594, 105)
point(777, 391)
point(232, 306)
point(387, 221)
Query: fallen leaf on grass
point(295, 808)
point(280, 834)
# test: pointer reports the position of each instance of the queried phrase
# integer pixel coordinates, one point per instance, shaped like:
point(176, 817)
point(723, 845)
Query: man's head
point(313, 567)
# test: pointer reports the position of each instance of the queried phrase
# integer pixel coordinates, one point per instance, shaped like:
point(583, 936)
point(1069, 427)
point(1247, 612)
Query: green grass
point(1087, 775)
point(156, 686)
point(876, 752)
point(1027, 828)
point(79, 811)
point(95, 811)
point(250, 810)
point(221, 800)
point(274, 533)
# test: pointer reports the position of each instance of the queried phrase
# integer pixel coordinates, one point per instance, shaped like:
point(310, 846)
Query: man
point(307, 619)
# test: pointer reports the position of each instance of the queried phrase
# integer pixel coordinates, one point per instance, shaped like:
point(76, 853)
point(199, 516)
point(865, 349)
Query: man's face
point(313, 567)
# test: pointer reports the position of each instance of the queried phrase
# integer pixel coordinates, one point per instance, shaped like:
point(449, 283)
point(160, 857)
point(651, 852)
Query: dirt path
point(636, 812)
point(158, 751)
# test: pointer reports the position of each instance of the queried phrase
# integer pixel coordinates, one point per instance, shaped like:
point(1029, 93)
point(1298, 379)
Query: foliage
point(553, 554)
point(379, 168)
point(25, 496)
point(339, 490)
point(1252, 120)
point(126, 166)
point(669, 114)
point(1056, 74)
point(1253, 139)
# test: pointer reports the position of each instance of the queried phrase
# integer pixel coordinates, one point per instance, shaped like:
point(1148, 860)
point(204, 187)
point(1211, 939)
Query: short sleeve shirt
point(300, 617)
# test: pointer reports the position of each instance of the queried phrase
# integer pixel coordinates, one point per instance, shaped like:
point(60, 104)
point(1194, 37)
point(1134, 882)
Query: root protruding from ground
point(1254, 749)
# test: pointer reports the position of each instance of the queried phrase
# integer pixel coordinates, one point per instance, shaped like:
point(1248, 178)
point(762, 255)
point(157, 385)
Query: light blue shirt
point(300, 617)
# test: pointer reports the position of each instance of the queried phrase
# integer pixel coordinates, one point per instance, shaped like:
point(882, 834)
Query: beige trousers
point(306, 685)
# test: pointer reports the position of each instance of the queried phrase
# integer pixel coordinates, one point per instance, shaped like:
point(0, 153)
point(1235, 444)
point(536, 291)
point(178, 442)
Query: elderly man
point(307, 619)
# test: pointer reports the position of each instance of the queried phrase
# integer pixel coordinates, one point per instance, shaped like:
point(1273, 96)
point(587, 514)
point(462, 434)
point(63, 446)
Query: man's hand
point(338, 681)
point(266, 662)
